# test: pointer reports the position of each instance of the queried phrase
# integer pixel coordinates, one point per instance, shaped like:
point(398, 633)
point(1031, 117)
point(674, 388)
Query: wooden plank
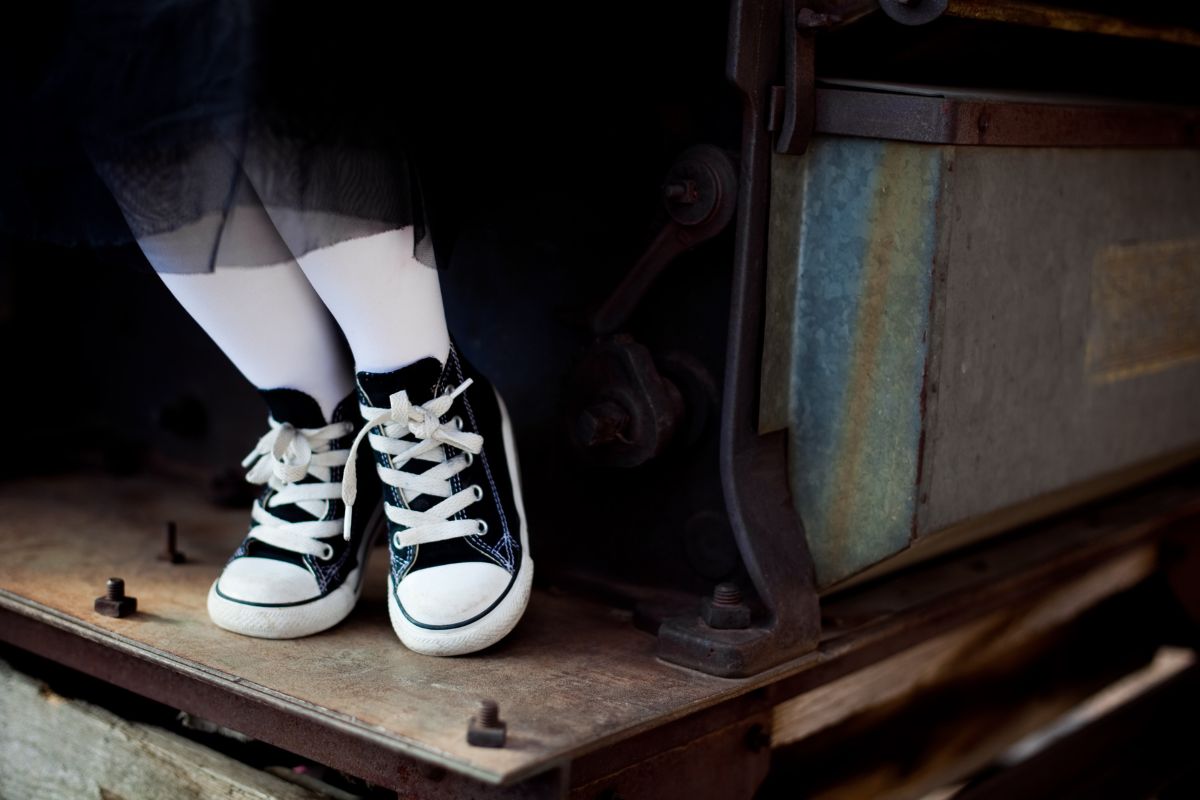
point(1168, 663)
point(1134, 750)
point(960, 650)
point(53, 748)
point(945, 730)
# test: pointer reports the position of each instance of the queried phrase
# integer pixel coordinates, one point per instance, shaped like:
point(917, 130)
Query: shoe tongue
point(420, 379)
point(295, 407)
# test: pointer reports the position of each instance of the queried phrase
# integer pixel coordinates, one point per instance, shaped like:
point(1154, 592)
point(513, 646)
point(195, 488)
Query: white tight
point(388, 304)
point(279, 324)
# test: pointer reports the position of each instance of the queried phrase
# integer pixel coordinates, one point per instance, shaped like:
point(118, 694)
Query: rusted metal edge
point(1173, 499)
point(1128, 531)
point(1040, 15)
point(254, 710)
point(1135, 518)
point(766, 527)
point(947, 120)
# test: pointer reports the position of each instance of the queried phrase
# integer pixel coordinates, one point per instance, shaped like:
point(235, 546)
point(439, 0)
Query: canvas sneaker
point(299, 570)
point(461, 572)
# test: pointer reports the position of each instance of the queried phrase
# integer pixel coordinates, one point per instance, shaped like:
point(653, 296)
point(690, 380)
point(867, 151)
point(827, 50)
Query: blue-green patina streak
point(860, 336)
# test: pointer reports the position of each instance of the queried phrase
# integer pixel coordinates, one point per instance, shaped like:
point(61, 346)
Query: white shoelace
point(423, 423)
point(283, 456)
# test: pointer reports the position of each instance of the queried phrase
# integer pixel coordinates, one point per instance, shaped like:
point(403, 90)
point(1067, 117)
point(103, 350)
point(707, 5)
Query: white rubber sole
point(500, 621)
point(292, 622)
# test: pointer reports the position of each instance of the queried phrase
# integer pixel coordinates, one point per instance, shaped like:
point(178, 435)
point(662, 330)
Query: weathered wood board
point(54, 748)
point(965, 648)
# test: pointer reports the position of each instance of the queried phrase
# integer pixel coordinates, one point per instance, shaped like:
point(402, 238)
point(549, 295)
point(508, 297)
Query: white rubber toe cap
point(266, 581)
point(452, 594)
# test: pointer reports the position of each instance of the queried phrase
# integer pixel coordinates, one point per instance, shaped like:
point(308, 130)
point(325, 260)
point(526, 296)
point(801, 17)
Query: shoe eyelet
point(470, 459)
point(327, 553)
point(478, 491)
point(482, 527)
point(458, 422)
point(396, 542)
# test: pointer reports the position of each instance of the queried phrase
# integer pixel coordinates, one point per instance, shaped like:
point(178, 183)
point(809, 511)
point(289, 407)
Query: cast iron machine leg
point(754, 467)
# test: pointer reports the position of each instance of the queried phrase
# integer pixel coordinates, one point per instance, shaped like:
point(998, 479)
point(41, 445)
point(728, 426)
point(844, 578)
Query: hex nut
point(122, 607)
point(491, 736)
point(724, 617)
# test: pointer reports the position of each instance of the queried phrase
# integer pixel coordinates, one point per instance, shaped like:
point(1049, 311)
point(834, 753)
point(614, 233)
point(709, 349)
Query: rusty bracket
point(699, 195)
point(792, 110)
point(766, 526)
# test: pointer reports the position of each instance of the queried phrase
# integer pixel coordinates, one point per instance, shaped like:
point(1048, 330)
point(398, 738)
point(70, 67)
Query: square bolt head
point(116, 608)
point(725, 617)
point(487, 737)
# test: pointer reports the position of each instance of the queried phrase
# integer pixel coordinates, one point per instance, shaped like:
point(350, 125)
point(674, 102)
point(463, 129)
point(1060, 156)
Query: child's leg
point(440, 436)
point(461, 571)
point(294, 573)
point(266, 318)
point(388, 304)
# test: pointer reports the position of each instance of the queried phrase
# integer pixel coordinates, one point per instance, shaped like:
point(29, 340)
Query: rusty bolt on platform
point(114, 603)
point(487, 729)
point(725, 609)
point(170, 553)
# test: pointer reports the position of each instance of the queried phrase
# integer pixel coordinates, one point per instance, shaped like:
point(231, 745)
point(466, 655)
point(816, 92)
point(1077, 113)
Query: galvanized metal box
point(960, 338)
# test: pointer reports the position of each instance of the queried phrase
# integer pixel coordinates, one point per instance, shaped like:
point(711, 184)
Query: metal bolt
point(486, 728)
point(983, 122)
point(725, 609)
point(114, 603)
point(489, 714)
point(806, 19)
point(727, 594)
point(684, 192)
point(170, 553)
point(600, 424)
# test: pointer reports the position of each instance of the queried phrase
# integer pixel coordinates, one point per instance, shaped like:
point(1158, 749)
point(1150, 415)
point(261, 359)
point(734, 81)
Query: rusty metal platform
point(572, 676)
point(578, 684)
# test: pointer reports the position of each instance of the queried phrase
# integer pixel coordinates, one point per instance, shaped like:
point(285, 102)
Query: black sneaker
point(295, 573)
point(460, 572)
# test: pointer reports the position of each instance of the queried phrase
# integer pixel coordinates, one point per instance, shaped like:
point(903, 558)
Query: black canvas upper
point(302, 411)
point(480, 413)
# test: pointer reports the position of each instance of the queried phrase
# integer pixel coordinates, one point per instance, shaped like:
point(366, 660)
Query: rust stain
point(1037, 15)
point(893, 213)
point(1145, 314)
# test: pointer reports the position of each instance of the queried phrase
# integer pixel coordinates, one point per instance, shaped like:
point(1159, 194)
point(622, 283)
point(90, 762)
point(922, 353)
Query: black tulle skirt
point(135, 119)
